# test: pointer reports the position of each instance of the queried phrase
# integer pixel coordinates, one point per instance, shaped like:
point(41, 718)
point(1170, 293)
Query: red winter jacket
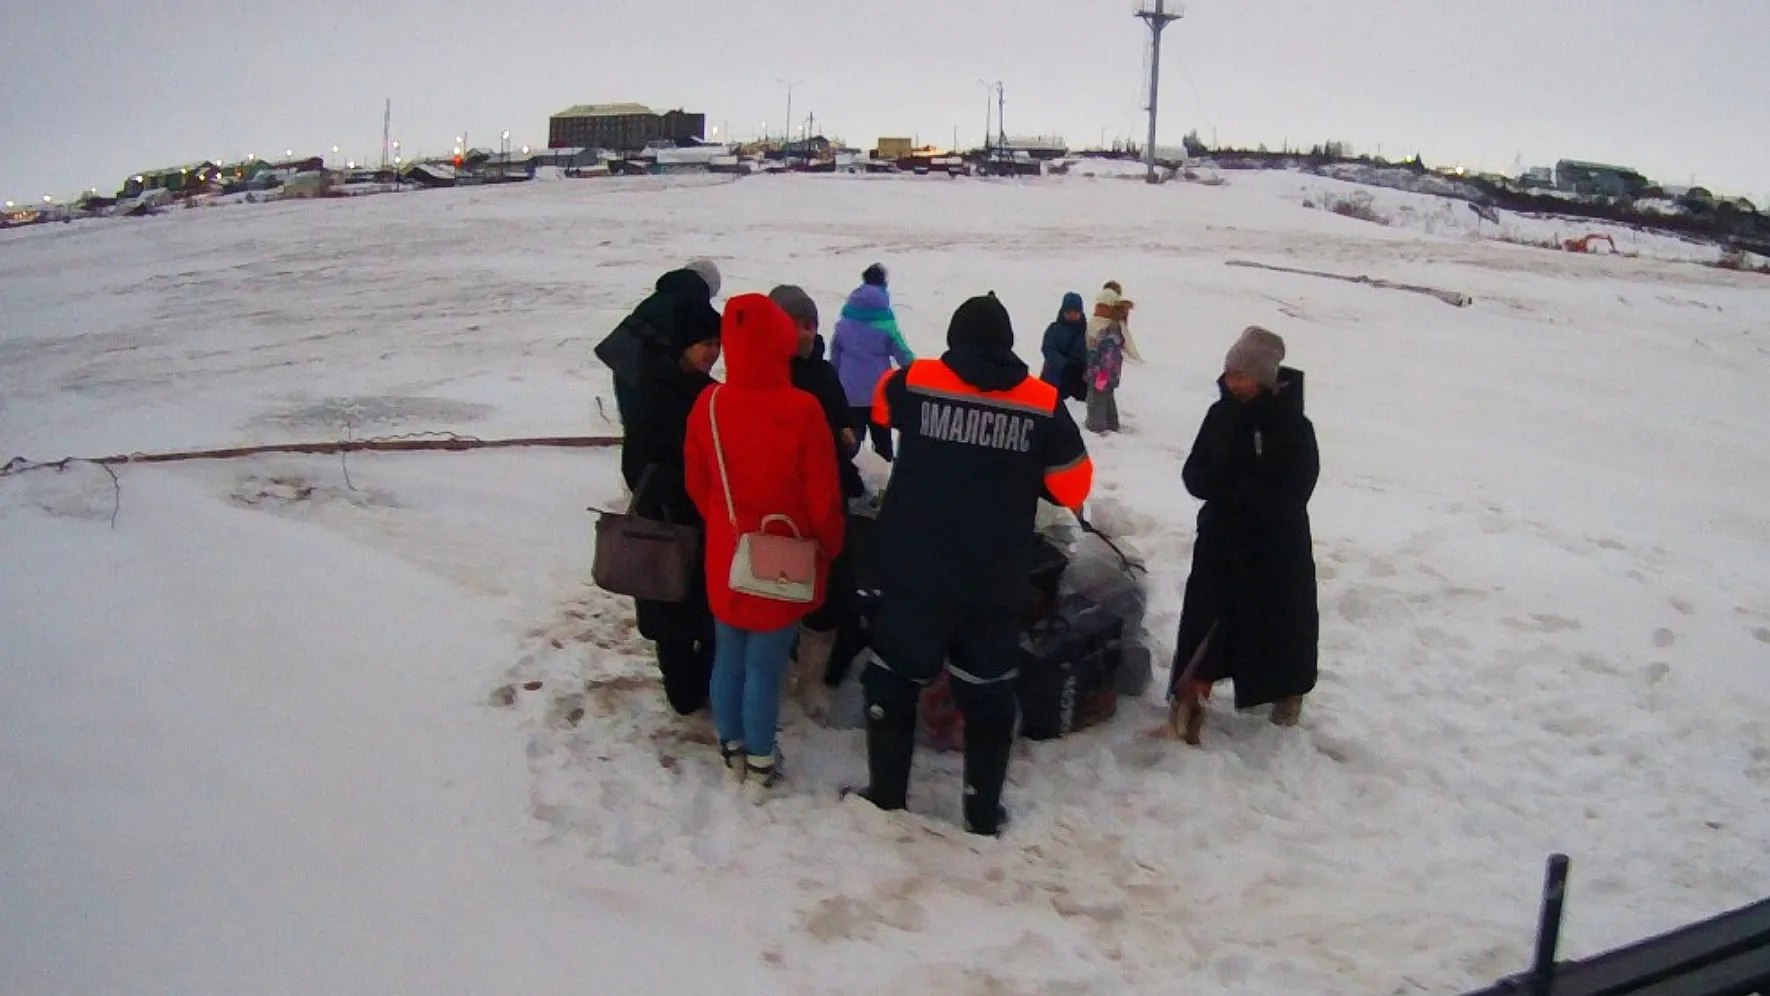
point(778, 451)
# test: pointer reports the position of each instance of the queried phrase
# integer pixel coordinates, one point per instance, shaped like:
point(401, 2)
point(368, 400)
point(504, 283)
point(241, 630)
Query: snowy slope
point(250, 739)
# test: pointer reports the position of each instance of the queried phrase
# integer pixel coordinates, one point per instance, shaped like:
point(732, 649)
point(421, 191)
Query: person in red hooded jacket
point(770, 454)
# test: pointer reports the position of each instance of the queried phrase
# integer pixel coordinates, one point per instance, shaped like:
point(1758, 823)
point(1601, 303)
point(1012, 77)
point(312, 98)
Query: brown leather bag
point(643, 558)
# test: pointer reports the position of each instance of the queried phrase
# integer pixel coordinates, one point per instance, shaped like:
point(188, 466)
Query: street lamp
point(9, 205)
point(288, 153)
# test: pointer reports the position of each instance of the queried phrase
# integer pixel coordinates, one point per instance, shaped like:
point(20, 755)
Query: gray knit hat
point(708, 271)
point(796, 303)
point(1257, 354)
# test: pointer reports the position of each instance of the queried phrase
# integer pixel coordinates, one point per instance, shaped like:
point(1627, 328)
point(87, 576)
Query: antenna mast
point(1157, 17)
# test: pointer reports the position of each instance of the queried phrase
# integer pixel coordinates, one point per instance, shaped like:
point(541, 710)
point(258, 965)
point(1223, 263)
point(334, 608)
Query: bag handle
point(780, 518)
point(645, 479)
point(719, 452)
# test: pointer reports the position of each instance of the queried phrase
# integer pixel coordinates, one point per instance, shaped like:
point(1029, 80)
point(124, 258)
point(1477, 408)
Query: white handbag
point(766, 565)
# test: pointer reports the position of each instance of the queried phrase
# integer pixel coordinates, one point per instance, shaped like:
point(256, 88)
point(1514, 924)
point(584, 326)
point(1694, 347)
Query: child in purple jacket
point(865, 346)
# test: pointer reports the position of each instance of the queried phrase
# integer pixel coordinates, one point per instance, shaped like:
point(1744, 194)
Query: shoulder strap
point(645, 477)
point(719, 453)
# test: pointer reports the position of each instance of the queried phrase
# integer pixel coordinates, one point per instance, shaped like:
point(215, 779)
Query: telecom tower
point(1158, 17)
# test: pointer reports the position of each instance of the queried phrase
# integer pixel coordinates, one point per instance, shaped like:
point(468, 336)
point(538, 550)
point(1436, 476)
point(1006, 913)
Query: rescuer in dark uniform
point(981, 442)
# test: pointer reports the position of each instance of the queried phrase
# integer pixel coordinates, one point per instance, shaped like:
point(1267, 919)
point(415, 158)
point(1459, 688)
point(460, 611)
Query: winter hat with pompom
point(1257, 354)
point(708, 271)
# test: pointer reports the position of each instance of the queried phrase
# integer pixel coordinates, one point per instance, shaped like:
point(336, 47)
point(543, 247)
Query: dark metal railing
point(1726, 955)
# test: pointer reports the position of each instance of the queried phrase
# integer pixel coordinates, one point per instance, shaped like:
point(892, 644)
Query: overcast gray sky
point(98, 89)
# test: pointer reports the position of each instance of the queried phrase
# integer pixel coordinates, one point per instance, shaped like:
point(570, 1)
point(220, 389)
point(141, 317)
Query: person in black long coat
point(671, 372)
point(1250, 612)
point(681, 297)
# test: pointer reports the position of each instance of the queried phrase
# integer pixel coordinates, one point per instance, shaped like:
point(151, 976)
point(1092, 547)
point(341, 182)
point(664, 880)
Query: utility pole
point(1158, 18)
point(386, 130)
point(988, 92)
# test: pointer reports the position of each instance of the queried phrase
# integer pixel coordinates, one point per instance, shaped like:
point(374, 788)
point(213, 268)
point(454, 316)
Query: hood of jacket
point(760, 341)
point(867, 298)
point(1072, 302)
point(1286, 401)
point(980, 345)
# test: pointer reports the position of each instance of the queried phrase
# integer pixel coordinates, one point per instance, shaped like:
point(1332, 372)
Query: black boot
point(890, 751)
point(986, 769)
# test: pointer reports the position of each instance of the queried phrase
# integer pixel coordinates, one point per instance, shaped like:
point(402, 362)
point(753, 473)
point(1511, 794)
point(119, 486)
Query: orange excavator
point(1585, 243)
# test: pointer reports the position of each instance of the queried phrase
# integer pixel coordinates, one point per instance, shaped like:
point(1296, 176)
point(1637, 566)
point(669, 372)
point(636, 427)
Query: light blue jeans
point(746, 692)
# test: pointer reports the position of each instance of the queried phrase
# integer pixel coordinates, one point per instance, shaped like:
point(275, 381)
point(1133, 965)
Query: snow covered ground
point(253, 739)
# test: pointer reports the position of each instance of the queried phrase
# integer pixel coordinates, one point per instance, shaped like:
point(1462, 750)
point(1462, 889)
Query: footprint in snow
point(1543, 622)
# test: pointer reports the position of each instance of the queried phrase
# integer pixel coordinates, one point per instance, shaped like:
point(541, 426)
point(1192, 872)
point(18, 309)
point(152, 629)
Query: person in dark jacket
point(1250, 612)
point(818, 632)
point(671, 372)
point(1066, 350)
point(681, 298)
point(982, 442)
point(814, 374)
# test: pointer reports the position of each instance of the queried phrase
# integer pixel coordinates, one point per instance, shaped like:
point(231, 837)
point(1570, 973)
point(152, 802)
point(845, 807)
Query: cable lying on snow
point(419, 441)
point(1455, 299)
point(384, 444)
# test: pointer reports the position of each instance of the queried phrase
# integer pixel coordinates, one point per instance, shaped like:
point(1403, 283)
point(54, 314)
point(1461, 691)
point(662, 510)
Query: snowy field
point(253, 737)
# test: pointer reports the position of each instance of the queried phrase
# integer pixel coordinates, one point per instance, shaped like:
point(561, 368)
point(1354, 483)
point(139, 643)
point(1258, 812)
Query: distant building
point(816, 147)
point(893, 149)
point(1046, 146)
point(176, 179)
point(1598, 180)
point(622, 127)
point(1537, 178)
point(568, 157)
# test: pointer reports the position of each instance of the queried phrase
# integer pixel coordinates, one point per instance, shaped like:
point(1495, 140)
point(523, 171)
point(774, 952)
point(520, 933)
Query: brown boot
point(809, 669)
point(1187, 713)
point(1286, 712)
